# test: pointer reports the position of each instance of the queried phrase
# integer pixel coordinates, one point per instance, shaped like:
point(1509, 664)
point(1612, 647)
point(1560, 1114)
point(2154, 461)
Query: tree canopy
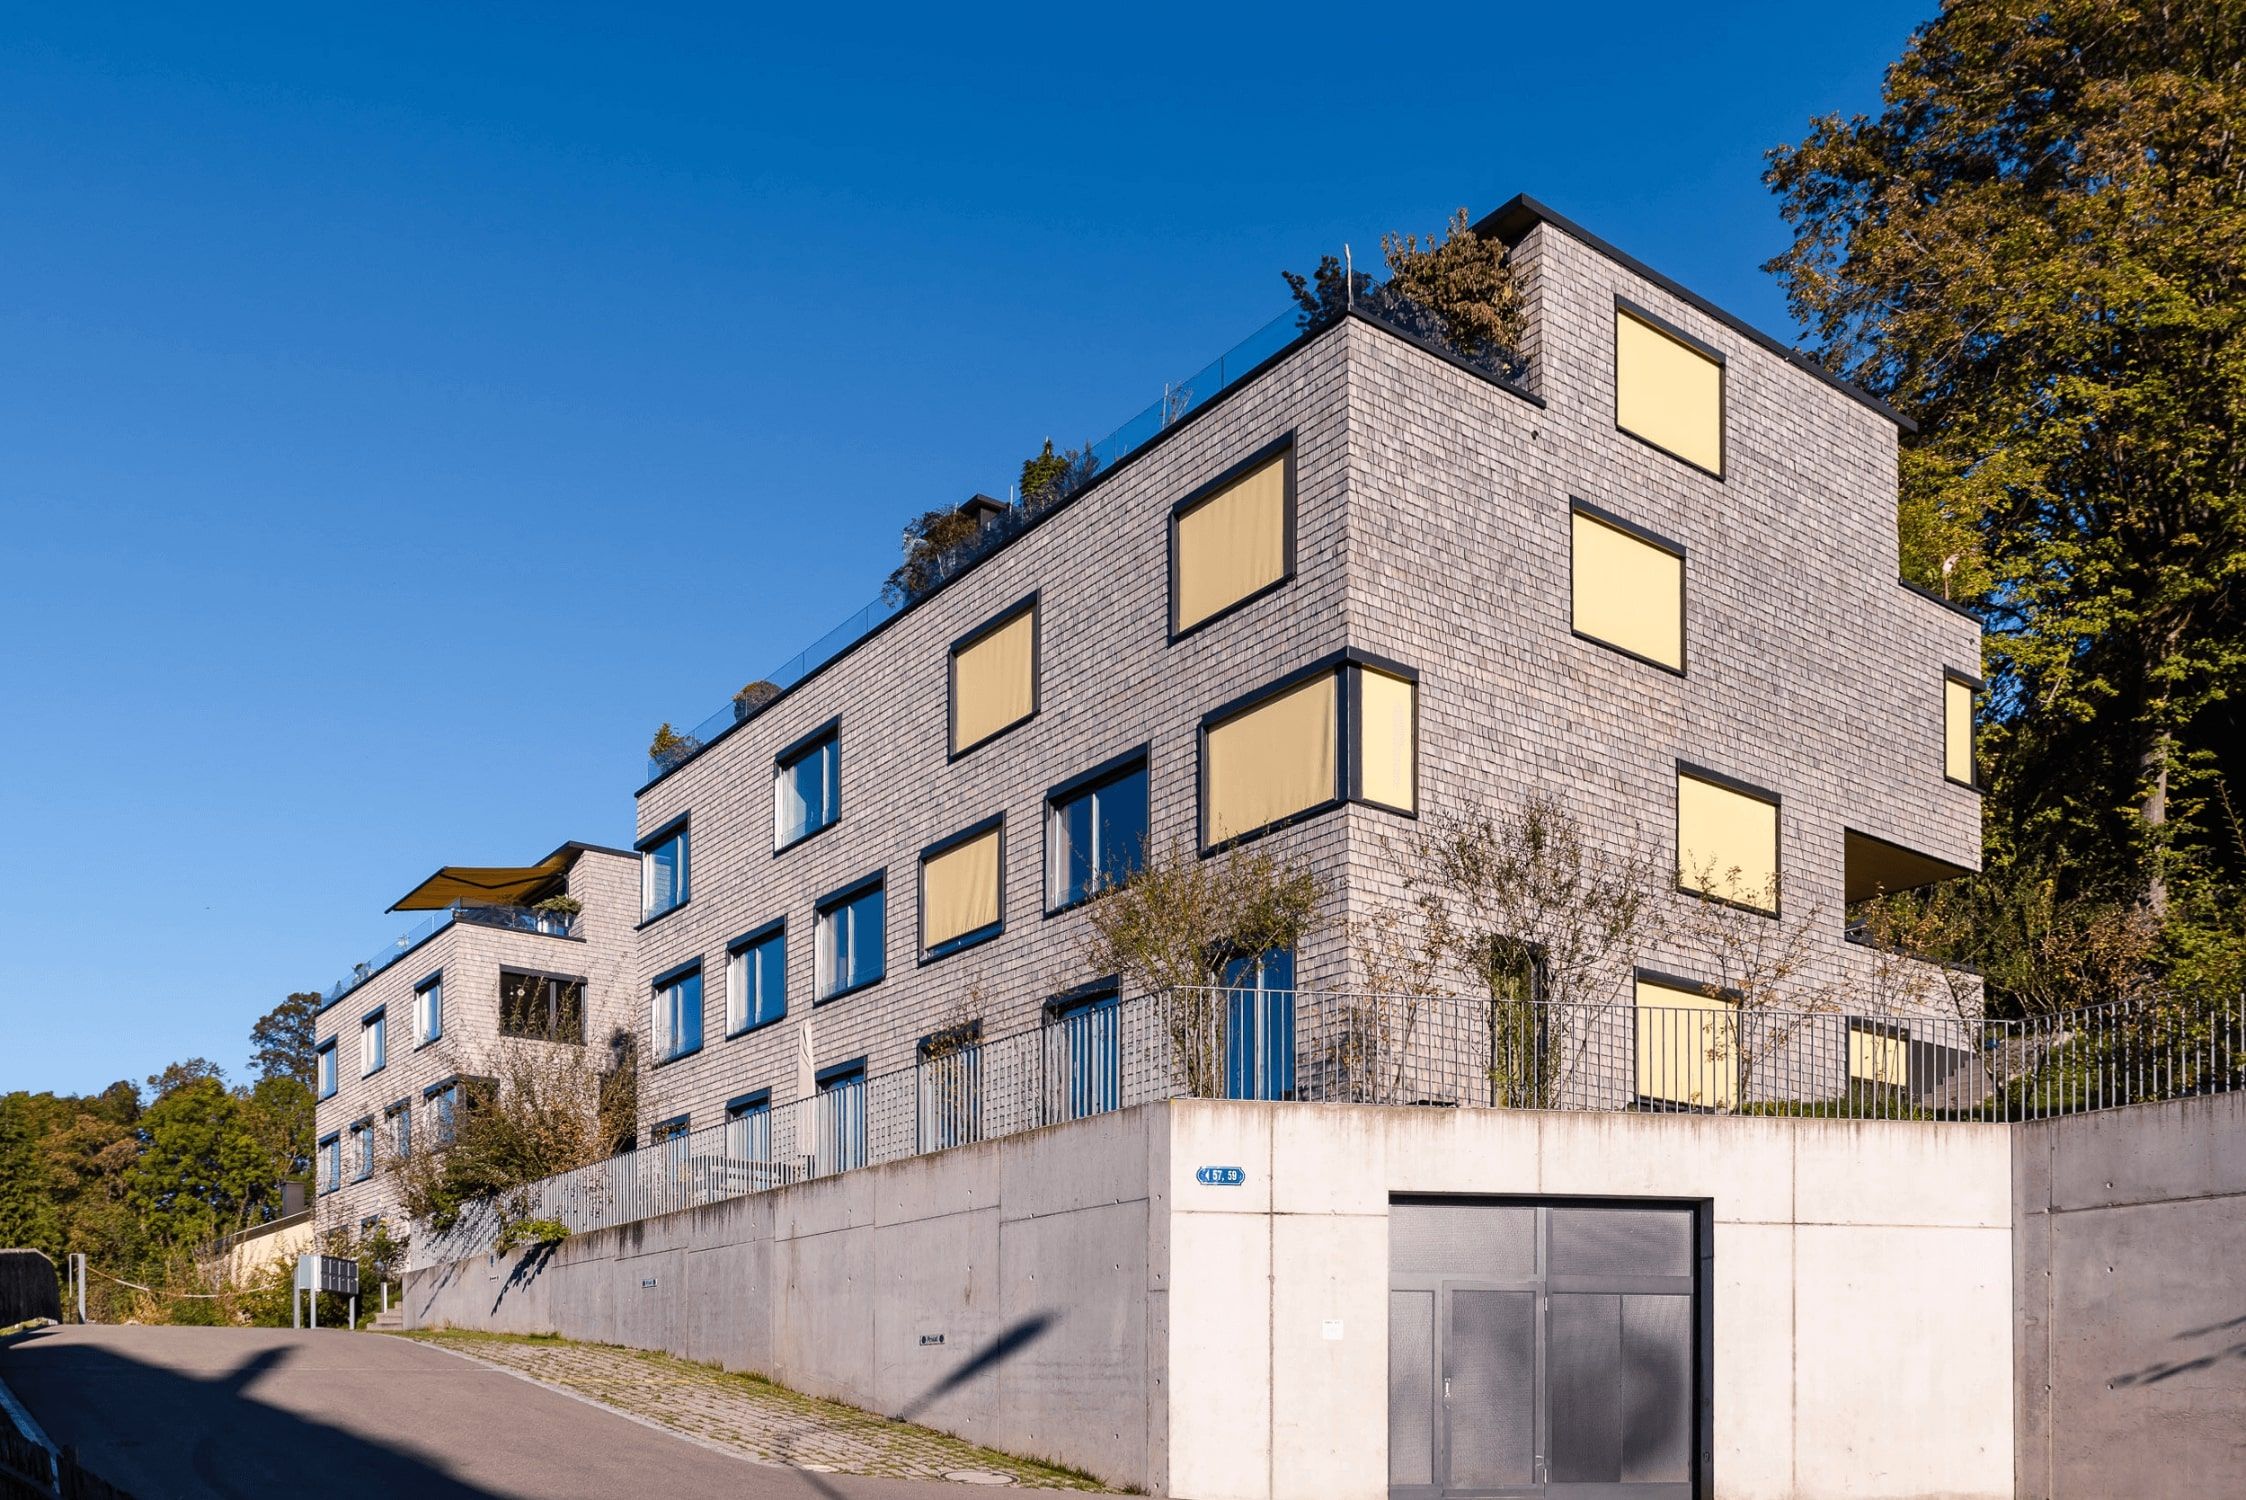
point(2035, 250)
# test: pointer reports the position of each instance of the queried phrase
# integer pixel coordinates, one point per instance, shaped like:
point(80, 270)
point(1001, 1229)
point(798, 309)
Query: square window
point(994, 678)
point(1727, 840)
point(1687, 1045)
point(663, 873)
point(1232, 540)
point(960, 887)
point(1668, 389)
point(807, 787)
point(541, 1007)
point(1628, 589)
point(1095, 832)
point(852, 937)
point(756, 979)
point(677, 1021)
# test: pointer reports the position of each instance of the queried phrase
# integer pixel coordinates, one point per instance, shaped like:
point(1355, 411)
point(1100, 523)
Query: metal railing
point(1441, 1051)
point(1380, 304)
point(511, 918)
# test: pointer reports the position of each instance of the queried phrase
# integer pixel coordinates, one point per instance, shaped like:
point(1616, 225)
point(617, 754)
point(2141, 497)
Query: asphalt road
point(199, 1412)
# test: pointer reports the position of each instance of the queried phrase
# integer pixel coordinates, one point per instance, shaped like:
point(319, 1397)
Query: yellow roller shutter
point(1957, 730)
point(1727, 843)
point(1387, 774)
point(1232, 544)
point(1629, 593)
point(994, 681)
point(1878, 1056)
point(1272, 760)
point(1667, 392)
point(959, 890)
point(1688, 1047)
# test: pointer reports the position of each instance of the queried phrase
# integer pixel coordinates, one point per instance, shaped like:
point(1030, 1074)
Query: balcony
point(509, 918)
point(1379, 305)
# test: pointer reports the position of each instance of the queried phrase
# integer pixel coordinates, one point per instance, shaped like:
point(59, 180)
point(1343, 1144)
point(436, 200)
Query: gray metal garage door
point(1541, 1349)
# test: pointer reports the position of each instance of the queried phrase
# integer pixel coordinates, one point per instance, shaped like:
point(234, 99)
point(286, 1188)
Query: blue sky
point(402, 412)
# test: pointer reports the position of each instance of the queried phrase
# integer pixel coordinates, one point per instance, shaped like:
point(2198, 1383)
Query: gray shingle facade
point(468, 958)
point(1431, 528)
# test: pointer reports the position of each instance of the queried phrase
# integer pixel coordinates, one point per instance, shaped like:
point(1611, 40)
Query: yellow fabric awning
point(490, 885)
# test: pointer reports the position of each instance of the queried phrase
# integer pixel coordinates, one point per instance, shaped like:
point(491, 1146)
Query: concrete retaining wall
point(1028, 1257)
point(2131, 1269)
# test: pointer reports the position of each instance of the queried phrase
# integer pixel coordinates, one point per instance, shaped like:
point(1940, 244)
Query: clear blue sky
point(401, 413)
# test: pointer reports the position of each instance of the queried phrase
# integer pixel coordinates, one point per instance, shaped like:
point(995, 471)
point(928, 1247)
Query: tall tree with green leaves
point(281, 1042)
point(2037, 250)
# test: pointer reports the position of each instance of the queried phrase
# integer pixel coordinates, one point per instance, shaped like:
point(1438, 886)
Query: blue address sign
point(1220, 1176)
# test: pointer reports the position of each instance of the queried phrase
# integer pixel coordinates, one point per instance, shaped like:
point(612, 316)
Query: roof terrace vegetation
point(1456, 296)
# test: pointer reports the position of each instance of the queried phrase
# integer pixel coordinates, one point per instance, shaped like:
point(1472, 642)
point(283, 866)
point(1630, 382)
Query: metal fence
point(1441, 1051)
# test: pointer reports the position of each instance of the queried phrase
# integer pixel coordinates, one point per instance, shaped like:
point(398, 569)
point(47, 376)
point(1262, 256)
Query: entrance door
point(1541, 1349)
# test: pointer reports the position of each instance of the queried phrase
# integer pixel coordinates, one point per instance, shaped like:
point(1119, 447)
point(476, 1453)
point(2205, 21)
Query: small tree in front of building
point(1173, 928)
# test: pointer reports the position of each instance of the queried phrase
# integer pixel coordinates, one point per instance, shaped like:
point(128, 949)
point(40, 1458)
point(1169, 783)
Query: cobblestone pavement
point(753, 1416)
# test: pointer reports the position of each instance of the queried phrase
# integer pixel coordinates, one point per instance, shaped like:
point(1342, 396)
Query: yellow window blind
point(1667, 392)
point(1727, 843)
point(1878, 1056)
point(994, 681)
point(1232, 544)
point(1272, 760)
point(1688, 1047)
point(1629, 593)
point(1387, 773)
point(959, 890)
point(1957, 730)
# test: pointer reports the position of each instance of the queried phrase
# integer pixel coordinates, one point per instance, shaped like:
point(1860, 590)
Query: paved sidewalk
point(751, 1416)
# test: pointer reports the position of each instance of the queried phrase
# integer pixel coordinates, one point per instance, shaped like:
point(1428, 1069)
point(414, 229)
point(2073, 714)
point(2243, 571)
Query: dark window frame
point(1977, 686)
point(785, 759)
point(1651, 1104)
point(1653, 320)
point(673, 1128)
point(663, 981)
point(843, 896)
point(996, 822)
point(1578, 506)
point(584, 1000)
point(1284, 444)
point(1033, 603)
point(756, 937)
point(1348, 774)
point(377, 1017)
point(435, 980)
point(1729, 783)
point(1114, 769)
point(680, 827)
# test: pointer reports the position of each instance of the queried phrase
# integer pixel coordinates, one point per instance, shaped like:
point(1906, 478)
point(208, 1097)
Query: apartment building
point(1650, 571)
point(537, 954)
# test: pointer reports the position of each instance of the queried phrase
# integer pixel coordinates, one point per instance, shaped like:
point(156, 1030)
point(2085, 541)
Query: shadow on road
point(154, 1431)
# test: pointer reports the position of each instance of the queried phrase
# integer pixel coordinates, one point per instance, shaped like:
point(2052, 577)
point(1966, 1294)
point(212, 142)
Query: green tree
point(282, 1040)
point(201, 1170)
point(2036, 250)
point(27, 1217)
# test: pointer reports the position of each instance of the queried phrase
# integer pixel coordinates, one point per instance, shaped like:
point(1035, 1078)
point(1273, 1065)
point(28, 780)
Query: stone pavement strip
point(752, 1416)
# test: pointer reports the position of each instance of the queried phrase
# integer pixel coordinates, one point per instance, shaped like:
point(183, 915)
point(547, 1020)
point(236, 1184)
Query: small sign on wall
point(929, 1339)
point(1330, 1330)
point(1220, 1176)
point(647, 1284)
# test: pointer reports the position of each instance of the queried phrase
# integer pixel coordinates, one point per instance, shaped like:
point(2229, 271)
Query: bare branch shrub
point(1172, 927)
